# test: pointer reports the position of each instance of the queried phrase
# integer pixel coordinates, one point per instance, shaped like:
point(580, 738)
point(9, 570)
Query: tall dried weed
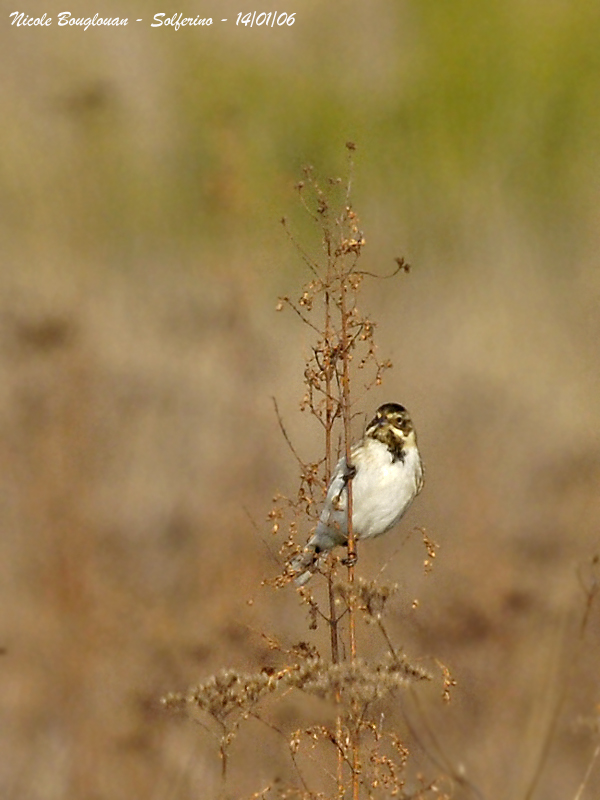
point(357, 753)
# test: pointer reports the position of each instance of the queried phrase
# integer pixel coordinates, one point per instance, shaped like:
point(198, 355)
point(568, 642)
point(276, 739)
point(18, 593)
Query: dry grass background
point(142, 174)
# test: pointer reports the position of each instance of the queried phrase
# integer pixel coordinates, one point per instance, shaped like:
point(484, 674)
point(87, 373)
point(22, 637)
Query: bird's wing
point(332, 527)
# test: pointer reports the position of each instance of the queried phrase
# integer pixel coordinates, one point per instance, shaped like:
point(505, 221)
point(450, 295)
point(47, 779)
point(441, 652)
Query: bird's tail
point(304, 565)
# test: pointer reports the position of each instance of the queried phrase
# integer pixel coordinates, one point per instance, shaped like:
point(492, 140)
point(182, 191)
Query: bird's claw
point(349, 472)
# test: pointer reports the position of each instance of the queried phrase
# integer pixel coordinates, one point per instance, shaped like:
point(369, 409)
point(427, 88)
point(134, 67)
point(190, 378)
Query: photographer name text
point(251, 19)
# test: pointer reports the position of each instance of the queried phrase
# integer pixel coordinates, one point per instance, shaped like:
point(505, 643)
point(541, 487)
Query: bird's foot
point(349, 472)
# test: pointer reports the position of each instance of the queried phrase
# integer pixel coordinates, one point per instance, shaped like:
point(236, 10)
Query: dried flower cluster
point(226, 692)
point(355, 681)
point(369, 597)
point(230, 691)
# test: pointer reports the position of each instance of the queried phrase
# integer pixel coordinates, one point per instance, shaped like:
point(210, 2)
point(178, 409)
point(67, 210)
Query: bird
point(387, 474)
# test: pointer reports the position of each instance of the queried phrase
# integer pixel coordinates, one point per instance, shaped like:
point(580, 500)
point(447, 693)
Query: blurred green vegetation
point(454, 107)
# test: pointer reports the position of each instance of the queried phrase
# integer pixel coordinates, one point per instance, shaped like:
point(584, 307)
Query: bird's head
point(392, 425)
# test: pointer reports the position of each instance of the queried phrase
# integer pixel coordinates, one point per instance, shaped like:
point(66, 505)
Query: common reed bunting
point(387, 475)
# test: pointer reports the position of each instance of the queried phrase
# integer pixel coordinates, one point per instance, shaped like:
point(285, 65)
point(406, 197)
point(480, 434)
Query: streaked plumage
point(388, 476)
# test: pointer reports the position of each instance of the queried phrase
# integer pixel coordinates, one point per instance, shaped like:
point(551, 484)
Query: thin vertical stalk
point(346, 419)
point(335, 657)
point(354, 734)
point(329, 419)
point(333, 620)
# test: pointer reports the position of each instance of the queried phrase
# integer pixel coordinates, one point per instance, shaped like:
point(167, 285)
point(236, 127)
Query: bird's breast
point(383, 489)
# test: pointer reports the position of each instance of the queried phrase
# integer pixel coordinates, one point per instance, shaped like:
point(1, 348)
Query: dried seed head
point(369, 597)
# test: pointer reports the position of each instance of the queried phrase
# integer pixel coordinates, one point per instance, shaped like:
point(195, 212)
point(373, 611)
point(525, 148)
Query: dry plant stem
point(351, 539)
point(588, 772)
point(435, 751)
point(285, 738)
point(329, 415)
point(335, 657)
point(591, 593)
point(223, 757)
point(346, 419)
point(329, 420)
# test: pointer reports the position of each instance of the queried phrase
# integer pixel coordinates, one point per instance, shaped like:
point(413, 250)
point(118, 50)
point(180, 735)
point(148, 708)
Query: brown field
point(142, 177)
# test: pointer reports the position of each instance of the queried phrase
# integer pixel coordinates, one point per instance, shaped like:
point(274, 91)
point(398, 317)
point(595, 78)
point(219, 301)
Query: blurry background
point(143, 172)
